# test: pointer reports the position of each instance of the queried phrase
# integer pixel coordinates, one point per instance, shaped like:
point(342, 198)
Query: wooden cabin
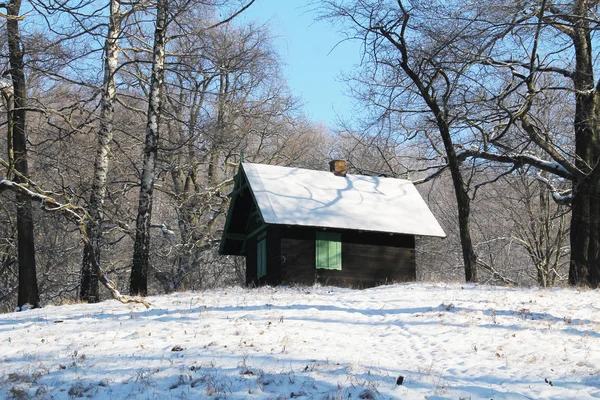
point(303, 226)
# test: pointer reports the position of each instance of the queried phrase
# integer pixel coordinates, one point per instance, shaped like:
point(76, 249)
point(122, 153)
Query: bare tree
point(558, 58)
point(514, 55)
point(223, 96)
point(539, 227)
point(222, 75)
point(415, 71)
point(239, 103)
point(28, 289)
point(579, 20)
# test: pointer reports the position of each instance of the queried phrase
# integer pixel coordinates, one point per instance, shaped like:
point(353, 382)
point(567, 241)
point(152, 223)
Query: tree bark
point(585, 261)
point(89, 278)
point(9, 103)
point(585, 220)
point(28, 288)
point(138, 284)
point(220, 127)
point(463, 202)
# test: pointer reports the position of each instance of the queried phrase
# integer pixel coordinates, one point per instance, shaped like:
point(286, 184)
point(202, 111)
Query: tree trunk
point(9, 103)
point(463, 203)
point(220, 127)
point(585, 261)
point(89, 278)
point(544, 252)
point(585, 220)
point(138, 284)
point(28, 289)
point(185, 185)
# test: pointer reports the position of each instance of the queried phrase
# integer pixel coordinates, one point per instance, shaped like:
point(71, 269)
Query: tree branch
point(226, 20)
point(517, 160)
point(79, 216)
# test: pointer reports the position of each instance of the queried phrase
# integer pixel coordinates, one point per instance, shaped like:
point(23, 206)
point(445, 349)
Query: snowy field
point(446, 341)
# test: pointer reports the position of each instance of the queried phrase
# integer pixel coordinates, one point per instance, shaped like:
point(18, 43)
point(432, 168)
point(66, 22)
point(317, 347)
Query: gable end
point(244, 218)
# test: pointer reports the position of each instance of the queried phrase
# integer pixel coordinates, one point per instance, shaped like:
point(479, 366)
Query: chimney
point(338, 167)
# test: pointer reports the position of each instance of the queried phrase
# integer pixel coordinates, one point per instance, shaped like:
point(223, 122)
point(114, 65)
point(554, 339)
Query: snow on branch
point(517, 160)
point(563, 198)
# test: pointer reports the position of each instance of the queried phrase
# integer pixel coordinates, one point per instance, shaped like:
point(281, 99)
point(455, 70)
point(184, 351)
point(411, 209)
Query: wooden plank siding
point(273, 276)
point(297, 255)
point(365, 265)
point(368, 258)
point(273, 255)
point(298, 261)
point(251, 268)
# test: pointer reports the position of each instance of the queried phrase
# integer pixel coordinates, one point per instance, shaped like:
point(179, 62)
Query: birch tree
point(139, 272)
point(141, 252)
point(89, 280)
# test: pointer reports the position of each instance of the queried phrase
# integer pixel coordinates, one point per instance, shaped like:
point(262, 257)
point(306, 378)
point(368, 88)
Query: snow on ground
point(446, 341)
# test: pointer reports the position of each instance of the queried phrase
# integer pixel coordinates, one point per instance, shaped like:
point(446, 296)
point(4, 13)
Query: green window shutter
point(328, 248)
point(261, 258)
point(335, 254)
point(322, 253)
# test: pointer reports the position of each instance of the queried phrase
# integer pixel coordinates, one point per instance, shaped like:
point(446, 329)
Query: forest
point(123, 123)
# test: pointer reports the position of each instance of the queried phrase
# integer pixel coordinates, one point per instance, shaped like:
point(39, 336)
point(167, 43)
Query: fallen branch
point(79, 216)
point(495, 274)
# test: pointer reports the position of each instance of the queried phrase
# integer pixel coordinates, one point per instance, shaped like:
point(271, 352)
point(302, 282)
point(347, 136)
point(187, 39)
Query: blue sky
point(312, 55)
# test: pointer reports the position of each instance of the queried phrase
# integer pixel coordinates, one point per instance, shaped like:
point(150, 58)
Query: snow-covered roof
point(295, 196)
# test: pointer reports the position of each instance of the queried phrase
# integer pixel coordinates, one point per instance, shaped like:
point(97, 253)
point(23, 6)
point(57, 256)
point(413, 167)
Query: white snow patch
point(447, 341)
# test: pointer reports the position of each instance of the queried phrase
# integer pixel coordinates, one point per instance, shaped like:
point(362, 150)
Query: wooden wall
point(273, 276)
point(273, 255)
point(251, 268)
point(368, 259)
